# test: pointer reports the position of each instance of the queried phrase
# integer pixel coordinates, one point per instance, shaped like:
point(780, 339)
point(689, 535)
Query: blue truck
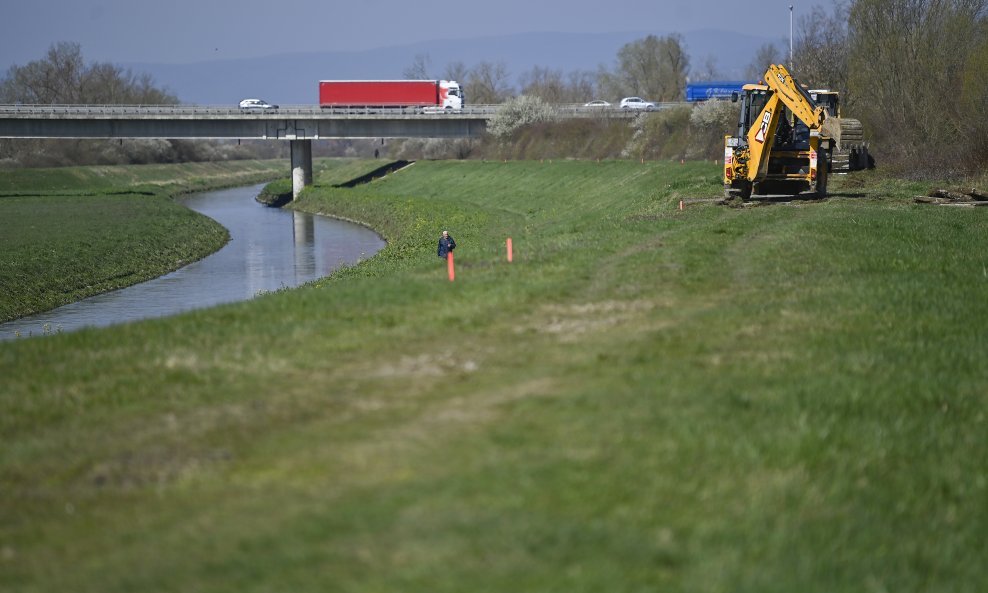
point(713, 89)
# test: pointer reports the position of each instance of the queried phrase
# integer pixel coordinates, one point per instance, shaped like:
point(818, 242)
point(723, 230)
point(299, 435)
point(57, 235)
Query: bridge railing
point(56, 110)
point(90, 109)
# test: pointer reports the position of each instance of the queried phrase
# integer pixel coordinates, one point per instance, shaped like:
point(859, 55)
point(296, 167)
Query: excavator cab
point(829, 100)
point(791, 133)
point(753, 98)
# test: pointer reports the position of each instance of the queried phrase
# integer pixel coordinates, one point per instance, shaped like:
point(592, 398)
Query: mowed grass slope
point(763, 399)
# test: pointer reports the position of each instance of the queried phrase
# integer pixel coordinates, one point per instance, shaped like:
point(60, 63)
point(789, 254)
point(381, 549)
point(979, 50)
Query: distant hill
point(292, 78)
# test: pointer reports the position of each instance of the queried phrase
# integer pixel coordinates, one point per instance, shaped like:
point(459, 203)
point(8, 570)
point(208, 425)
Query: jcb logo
point(763, 128)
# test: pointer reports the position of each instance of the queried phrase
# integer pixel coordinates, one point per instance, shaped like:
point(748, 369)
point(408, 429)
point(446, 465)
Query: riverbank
point(786, 397)
point(74, 232)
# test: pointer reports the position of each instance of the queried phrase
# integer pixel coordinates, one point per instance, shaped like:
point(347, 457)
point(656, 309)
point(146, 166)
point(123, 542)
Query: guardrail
point(563, 110)
point(189, 110)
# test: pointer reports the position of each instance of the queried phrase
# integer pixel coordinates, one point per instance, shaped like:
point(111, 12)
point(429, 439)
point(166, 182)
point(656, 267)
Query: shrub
point(709, 122)
point(662, 135)
point(516, 113)
point(588, 138)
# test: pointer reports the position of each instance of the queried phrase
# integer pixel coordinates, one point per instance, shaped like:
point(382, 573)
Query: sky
point(189, 31)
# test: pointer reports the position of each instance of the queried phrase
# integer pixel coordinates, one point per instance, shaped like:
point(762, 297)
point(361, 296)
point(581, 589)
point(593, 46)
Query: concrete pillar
point(301, 165)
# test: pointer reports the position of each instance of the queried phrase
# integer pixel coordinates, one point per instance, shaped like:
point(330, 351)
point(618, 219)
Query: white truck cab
point(451, 96)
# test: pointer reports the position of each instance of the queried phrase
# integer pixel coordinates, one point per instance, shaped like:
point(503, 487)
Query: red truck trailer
point(440, 94)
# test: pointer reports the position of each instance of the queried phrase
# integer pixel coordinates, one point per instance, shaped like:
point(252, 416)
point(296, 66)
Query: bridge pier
point(301, 165)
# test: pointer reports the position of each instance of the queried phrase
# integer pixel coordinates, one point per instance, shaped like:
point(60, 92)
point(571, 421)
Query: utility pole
point(790, 37)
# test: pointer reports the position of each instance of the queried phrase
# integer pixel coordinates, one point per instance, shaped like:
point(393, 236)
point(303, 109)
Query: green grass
point(163, 179)
point(59, 249)
point(777, 398)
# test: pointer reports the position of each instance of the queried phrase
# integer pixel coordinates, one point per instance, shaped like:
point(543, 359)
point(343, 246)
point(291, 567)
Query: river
point(269, 249)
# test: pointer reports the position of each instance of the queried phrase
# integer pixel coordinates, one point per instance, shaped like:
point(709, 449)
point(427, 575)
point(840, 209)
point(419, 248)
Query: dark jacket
point(446, 244)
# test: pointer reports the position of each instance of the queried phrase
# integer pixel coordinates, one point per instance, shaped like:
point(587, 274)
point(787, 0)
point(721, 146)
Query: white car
point(637, 103)
point(598, 103)
point(253, 104)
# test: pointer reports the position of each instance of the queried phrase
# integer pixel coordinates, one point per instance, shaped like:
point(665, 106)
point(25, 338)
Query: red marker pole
point(508, 243)
point(449, 266)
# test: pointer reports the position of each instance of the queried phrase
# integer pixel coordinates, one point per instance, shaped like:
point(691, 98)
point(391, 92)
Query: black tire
point(739, 190)
point(822, 176)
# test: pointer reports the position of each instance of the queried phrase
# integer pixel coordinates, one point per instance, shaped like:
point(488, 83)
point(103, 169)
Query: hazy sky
point(182, 31)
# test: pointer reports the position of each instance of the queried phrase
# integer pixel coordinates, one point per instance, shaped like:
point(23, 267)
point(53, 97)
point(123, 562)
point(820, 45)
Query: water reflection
point(269, 249)
point(304, 233)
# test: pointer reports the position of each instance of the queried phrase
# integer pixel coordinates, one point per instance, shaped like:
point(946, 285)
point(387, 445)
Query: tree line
point(654, 67)
point(63, 76)
point(915, 72)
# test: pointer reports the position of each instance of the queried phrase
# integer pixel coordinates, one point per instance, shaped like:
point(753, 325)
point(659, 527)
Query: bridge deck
point(285, 123)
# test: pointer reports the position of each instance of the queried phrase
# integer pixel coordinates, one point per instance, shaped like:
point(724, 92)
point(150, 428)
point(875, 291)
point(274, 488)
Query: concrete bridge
point(299, 125)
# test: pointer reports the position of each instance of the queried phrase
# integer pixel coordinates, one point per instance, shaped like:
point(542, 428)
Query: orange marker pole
point(508, 242)
point(449, 266)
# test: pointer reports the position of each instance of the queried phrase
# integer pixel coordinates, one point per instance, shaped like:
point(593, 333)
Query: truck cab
point(451, 95)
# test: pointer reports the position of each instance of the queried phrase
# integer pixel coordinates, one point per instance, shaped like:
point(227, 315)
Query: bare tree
point(62, 76)
point(581, 86)
point(821, 50)
point(456, 71)
point(55, 79)
point(707, 71)
point(544, 83)
point(974, 99)
point(418, 69)
point(765, 56)
point(908, 60)
point(488, 83)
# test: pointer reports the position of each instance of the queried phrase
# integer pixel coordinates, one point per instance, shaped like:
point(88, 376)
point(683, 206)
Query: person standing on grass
point(446, 245)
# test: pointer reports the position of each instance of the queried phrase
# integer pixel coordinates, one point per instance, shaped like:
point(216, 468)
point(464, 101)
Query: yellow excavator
point(783, 141)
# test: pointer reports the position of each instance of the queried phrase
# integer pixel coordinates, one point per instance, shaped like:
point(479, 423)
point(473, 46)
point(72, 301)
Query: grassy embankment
point(73, 232)
point(785, 398)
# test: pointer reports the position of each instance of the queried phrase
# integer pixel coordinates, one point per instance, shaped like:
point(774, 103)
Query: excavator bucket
point(832, 129)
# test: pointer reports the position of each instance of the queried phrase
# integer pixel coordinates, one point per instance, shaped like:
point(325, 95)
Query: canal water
point(269, 249)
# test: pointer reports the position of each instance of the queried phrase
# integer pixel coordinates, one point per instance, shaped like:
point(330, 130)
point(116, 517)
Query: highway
point(59, 111)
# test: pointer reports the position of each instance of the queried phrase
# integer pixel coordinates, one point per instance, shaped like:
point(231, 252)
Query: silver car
point(637, 104)
point(256, 104)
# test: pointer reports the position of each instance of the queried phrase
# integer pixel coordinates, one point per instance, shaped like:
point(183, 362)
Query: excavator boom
point(802, 105)
point(778, 79)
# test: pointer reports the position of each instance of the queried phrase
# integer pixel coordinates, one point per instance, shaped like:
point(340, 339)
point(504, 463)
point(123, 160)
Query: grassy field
point(779, 398)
